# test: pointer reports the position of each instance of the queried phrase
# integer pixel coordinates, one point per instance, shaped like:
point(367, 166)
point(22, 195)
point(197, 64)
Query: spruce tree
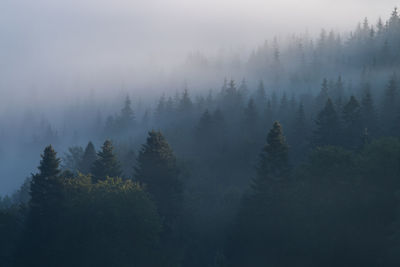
point(160, 109)
point(273, 163)
point(262, 215)
point(106, 164)
point(299, 133)
point(158, 172)
point(368, 113)
point(352, 123)
point(46, 185)
point(185, 103)
point(204, 128)
point(283, 112)
point(243, 90)
point(127, 117)
point(322, 96)
point(339, 92)
point(88, 158)
point(72, 159)
point(389, 109)
point(46, 207)
point(250, 116)
point(327, 129)
point(261, 97)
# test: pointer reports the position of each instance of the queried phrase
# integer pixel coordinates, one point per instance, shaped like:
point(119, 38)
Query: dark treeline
point(243, 176)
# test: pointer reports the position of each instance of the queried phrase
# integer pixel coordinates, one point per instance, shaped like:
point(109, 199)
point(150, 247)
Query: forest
point(293, 161)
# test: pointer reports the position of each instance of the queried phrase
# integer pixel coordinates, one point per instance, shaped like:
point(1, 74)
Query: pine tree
point(72, 158)
point(204, 127)
point(299, 131)
point(273, 163)
point(88, 158)
point(368, 112)
point(127, 117)
point(185, 103)
point(352, 123)
point(323, 95)
point(300, 121)
point(327, 126)
point(161, 109)
point(250, 116)
point(46, 207)
point(389, 109)
point(262, 214)
point(158, 171)
point(283, 112)
point(46, 185)
point(106, 164)
point(261, 97)
point(339, 92)
point(243, 90)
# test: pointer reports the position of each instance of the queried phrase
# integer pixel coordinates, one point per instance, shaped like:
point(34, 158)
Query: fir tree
point(45, 185)
point(204, 127)
point(126, 120)
point(389, 110)
point(283, 109)
point(339, 92)
point(368, 113)
point(323, 95)
point(352, 123)
point(158, 171)
point(46, 206)
point(299, 131)
point(250, 116)
point(243, 90)
point(273, 163)
point(73, 158)
point(106, 164)
point(185, 103)
point(261, 97)
point(327, 126)
point(127, 114)
point(262, 213)
point(161, 109)
point(88, 158)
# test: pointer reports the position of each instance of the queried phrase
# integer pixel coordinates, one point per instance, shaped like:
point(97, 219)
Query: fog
point(76, 45)
point(199, 133)
point(58, 55)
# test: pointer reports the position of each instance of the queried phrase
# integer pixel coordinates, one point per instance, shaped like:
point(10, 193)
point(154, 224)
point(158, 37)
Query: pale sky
point(61, 40)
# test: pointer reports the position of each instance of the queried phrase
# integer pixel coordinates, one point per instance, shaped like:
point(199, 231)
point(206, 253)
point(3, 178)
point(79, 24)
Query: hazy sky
point(53, 49)
point(54, 43)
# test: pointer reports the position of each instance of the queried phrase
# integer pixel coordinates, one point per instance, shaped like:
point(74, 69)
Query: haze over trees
point(297, 164)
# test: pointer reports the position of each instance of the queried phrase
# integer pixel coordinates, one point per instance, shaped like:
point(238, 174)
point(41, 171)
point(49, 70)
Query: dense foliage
point(246, 176)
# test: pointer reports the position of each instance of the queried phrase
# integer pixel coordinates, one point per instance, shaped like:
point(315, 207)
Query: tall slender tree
point(106, 164)
point(368, 112)
point(327, 129)
point(158, 171)
point(88, 158)
point(352, 123)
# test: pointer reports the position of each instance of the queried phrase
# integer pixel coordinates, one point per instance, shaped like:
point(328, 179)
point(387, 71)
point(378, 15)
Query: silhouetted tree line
point(323, 191)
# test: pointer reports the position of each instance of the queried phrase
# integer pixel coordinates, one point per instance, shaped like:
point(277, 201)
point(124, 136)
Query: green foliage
point(157, 171)
point(273, 163)
point(74, 222)
point(11, 226)
point(88, 158)
point(262, 213)
point(352, 123)
point(46, 186)
point(73, 158)
point(327, 129)
point(110, 223)
point(106, 164)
